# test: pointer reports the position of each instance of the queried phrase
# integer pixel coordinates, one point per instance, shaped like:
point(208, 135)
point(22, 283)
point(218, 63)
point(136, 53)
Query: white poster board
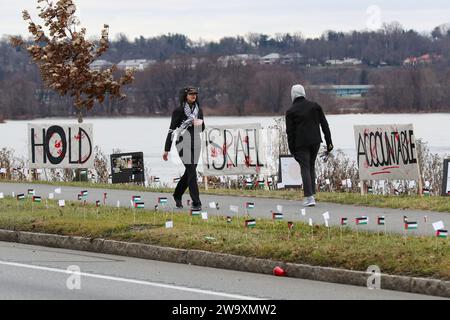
point(60, 146)
point(386, 152)
point(446, 178)
point(233, 150)
point(289, 172)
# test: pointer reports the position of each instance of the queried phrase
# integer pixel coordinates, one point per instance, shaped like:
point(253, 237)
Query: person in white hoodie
point(303, 122)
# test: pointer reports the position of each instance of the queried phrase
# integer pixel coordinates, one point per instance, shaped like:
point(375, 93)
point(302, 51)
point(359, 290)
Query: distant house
point(272, 58)
point(100, 65)
point(422, 60)
point(138, 64)
point(186, 61)
point(243, 59)
point(344, 62)
point(344, 90)
point(292, 58)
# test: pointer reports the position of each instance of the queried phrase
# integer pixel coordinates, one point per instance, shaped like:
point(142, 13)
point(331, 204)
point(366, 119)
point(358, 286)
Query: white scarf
point(191, 114)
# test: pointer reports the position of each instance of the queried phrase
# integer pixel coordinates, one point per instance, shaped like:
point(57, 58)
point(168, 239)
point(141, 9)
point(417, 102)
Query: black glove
point(329, 147)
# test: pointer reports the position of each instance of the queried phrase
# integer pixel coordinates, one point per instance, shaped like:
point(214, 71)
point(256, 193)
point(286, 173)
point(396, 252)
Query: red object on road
point(279, 272)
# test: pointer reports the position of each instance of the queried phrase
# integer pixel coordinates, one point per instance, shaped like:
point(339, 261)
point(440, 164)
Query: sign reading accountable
point(386, 152)
point(60, 146)
point(230, 150)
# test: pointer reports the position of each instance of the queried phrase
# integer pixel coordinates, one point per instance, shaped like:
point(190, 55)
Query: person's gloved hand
point(329, 147)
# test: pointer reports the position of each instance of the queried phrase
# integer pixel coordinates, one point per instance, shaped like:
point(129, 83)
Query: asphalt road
point(263, 207)
point(33, 272)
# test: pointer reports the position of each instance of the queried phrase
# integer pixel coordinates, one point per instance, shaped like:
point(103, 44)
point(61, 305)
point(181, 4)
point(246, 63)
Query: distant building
point(346, 61)
point(344, 90)
point(422, 60)
point(243, 59)
point(100, 65)
point(138, 64)
point(272, 58)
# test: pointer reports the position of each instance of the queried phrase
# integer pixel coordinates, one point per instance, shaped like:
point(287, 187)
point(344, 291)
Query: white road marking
point(140, 282)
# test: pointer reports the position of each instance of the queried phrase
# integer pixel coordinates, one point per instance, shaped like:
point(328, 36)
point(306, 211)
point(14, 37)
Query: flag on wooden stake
point(195, 212)
point(249, 205)
point(290, 225)
point(410, 225)
point(362, 220)
point(381, 221)
point(139, 205)
point(251, 223)
point(37, 199)
point(229, 219)
point(31, 192)
point(162, 200)
point(442, 233)
point(344, 221)
point(20, 196)
point(277, 216)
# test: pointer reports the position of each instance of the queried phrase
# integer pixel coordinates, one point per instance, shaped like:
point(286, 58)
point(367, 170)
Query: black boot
point(178, 203)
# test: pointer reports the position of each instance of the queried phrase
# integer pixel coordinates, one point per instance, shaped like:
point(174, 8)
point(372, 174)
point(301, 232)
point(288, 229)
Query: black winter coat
point(178, 116)
point(302, 125)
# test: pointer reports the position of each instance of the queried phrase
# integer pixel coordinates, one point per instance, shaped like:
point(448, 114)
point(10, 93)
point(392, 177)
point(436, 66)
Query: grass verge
point(413, 202)
point(419, 256)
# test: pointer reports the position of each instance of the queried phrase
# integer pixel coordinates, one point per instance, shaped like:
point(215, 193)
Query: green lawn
point(421, 256)
point(437, 204)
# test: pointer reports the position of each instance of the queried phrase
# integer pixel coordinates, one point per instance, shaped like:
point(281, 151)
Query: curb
point(425, 286)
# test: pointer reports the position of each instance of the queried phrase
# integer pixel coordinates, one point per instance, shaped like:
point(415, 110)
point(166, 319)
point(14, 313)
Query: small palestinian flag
point(362, 220)
point(249, 184)
point(369, 190)
point(97, 203)
point(79, 197)
point(249, 205)
point(139, 205)
point(37, 199)
point(31, 192)
point(405, 219)
point(84, 193)
point(442, 233)
point(380, 221)
point(277, 216)
point(156, 179)
point(162, 200)
point(261, 183)
point(250, 223)
point(344, 221)
point(228, 219)
point(426, 192)
point(136, 198)
point(290, 225)
point(176, 180)
point(410, 225)
point(195, 213)
point(20, 196)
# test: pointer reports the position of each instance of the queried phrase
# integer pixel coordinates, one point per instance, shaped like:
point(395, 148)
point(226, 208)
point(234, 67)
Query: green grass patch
point(413, 202)
point(419, 256)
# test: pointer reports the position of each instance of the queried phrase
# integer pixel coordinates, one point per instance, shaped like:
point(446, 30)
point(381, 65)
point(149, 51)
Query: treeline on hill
point(253, 88)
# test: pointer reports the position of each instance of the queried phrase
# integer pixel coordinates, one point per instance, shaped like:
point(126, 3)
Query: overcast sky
point(211, 19)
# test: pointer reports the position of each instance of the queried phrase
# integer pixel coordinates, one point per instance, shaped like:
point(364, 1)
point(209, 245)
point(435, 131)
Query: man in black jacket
point(302, 127)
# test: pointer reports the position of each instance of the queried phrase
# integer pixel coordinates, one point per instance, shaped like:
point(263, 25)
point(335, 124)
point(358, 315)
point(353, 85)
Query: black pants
point(306, 157)
point(189, 179)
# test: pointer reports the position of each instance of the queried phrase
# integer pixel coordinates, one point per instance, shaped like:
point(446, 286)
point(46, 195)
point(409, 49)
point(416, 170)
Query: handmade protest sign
point(386, 152)
point(60, 146)
point(446, 178)
point(289, 172)
point(233, 149)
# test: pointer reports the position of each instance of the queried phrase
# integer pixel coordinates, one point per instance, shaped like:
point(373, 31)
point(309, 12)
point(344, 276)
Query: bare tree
point(64, 56)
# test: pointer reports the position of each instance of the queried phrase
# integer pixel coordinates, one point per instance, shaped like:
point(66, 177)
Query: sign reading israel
point(386, 152)
point(60, 146)
point(230, 150)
